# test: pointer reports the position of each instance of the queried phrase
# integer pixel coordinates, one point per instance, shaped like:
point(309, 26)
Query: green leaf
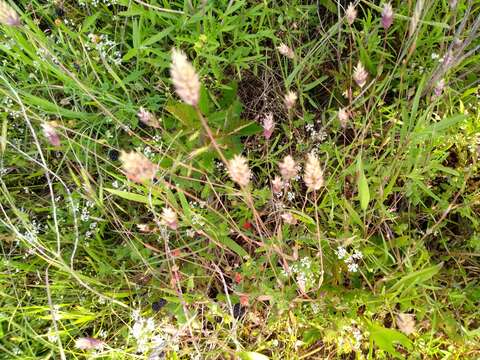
point(363, 190)
point(329, 5)
point(232, 245)
point(184, 113)
point(250, 355)
point(417, 277)
point(386, 338)
point(134, 197)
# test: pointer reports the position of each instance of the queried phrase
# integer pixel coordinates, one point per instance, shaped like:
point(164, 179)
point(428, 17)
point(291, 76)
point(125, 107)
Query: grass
point(382, 262)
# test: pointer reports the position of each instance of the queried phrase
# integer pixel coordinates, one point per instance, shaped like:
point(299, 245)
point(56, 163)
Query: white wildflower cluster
point(104, 47)
point(9, 108)
point(198, 220)
point(316, 135)
point(303, 272)
point(31, 233)
point(350, 338)
point(96, 3)
point(350, 259)
point(290, 196)
point(148, 152)
point(148, 336)
point(52, 335)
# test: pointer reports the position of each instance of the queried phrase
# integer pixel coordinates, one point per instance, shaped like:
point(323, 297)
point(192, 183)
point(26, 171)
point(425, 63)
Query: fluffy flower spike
point(268, 125)
point(290, 99)
point(285, 50)
point(239, 171)
point(313, 175)
point(343, 117)
point(86, 343)
point(387, 16)
point(351, 14)
point(360, 75)
point(288, 168)
point(277, 184)
point(148, 118)
point(8, 16)
point(51, 134)
point(137, 167)
point(184, 78)
point(170, 219)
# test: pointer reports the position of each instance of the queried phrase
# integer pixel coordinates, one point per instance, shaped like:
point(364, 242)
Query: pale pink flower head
point(147, 118)
point(184, 78)
point(343, 116)
point(169, 217)
point(137, 167)
point(285, 50)
point(239, 171)
point(288, 168)
point(351, 14)
point(313, 175)
point(387, 16)
point(288, 218)
point(268, 125)
point(277, 184)
point(438, 90)
point(51, 134)
point(87, 343)
point(8, 16)
point(290, 99)
point(360, 75)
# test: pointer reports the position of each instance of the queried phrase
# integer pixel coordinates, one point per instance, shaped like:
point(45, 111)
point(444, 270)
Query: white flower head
point(313, 175)
point(351, 14)
point(285, 50)
point(239, 171)
point(184, 78)
point(360, 75)
point(288, 168)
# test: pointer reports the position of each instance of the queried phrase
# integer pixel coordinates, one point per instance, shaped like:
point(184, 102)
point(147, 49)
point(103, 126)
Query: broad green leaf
point(417, 277)
point(363, 190)
point(385, 339)
point(184, 113)
point(232, 245)
point(250, 355)
point(133, 197)
point(329, 5)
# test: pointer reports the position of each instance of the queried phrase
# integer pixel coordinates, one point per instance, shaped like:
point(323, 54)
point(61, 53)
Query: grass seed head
point(290, 99)
point(169, 217)
point(288, 168)
point(8, 16)
point(387, 16)
point(184, 78)
point(239, 171)
point(360, 75)
point(313, 175)
point(351, 14)
point(137, 167)
point(285, 50)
